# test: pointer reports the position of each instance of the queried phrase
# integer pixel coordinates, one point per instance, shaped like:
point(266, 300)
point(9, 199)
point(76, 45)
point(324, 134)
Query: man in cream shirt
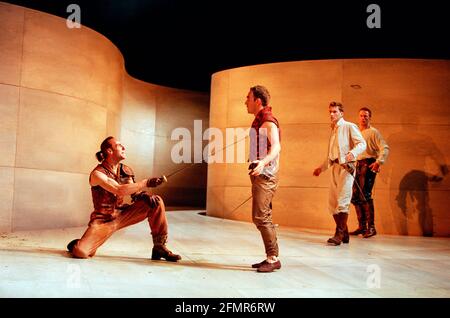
point(369, 163)
point(345, 145)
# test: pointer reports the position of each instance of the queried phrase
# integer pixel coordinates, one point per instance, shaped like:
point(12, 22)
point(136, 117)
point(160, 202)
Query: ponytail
point(101, 155)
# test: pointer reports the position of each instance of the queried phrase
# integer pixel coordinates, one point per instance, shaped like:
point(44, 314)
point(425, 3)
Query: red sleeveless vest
point(261, 117)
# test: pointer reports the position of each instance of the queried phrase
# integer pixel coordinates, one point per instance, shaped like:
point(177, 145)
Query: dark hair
point(101, 155)
point(338, 105)
point(262, 93)
point(366, 110)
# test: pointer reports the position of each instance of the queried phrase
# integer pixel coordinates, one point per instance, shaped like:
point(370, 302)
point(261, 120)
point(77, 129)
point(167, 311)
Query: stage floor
point(216, 263)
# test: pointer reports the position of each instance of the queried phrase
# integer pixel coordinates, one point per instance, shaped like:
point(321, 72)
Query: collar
point(368, 127)
point(340, 122)
point(266, 109)
point(108, 167)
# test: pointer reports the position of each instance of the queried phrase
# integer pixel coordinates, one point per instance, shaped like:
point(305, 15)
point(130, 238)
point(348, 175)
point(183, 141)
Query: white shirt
point(349, 139)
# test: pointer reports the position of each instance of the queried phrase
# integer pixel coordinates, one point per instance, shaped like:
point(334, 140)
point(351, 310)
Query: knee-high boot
point(343, 219)
point(370, 215)
point(361, 215)
point(341, 225)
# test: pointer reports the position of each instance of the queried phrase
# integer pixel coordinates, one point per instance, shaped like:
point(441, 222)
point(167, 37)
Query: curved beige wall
point(410, 101)
point(149, 115)
point(62, 91)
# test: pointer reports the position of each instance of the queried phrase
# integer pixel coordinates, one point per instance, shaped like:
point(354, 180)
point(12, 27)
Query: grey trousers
point(263, 190)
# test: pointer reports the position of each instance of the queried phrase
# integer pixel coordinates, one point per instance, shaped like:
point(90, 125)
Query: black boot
point(370, 215)
point(161, 251)
point(71, 245)
point(339, 233)
point(362, 227)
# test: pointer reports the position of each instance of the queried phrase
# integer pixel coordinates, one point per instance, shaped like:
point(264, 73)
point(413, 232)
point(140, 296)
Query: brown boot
point(343, 220)
point(339, 233)
point(258, 265)
point(161, 251)
point(362, 227)
point(370, 232)
point(370, 215)
point(269, 267)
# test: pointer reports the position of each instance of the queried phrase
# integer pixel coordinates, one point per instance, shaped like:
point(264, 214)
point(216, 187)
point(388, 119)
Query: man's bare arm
point(111, 185)
point(273, 136)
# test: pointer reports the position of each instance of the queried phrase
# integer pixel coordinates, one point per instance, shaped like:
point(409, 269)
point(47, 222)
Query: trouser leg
point(358, 198)
point(340, 192)
point(100, 230)
point(141, 210)
point(156, 217)
point(263, 191)
point(96, 234)
point(339, 202)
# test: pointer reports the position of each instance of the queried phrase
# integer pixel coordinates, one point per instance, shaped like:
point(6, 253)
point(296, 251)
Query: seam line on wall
point(56, 93)
point(17, 125)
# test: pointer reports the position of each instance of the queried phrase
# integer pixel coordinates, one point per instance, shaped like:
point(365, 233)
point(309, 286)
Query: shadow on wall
point(414, 164)
point(184, 197)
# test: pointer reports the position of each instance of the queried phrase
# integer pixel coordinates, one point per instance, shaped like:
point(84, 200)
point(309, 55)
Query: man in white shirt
point(345, 145)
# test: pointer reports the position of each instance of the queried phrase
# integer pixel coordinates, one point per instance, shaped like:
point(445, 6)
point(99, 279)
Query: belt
point(368, 159)
point(263, 176)
point(334, 161)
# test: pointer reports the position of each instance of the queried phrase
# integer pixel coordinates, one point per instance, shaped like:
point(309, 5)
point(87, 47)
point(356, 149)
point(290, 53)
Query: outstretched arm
point(111, 185)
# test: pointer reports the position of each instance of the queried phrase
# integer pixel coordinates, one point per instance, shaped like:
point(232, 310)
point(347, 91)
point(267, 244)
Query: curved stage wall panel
point(62, 91)
point(409, 99)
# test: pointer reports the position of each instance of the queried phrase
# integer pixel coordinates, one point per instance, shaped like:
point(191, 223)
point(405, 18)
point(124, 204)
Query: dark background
point(180, 43)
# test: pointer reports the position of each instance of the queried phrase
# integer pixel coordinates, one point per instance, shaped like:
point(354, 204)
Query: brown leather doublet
point(104, 201)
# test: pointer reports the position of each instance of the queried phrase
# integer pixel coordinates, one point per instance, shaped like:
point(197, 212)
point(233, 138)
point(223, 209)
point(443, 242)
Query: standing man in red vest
point(264, 156)
point(110, 181)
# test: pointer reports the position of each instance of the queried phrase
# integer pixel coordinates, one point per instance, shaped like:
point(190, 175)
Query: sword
point(165, 177)
point(194, 163)
point(241, 204)
point(350, 167)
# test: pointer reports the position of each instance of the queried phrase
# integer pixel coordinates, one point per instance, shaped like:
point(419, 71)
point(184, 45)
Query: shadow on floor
point(185, 263)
